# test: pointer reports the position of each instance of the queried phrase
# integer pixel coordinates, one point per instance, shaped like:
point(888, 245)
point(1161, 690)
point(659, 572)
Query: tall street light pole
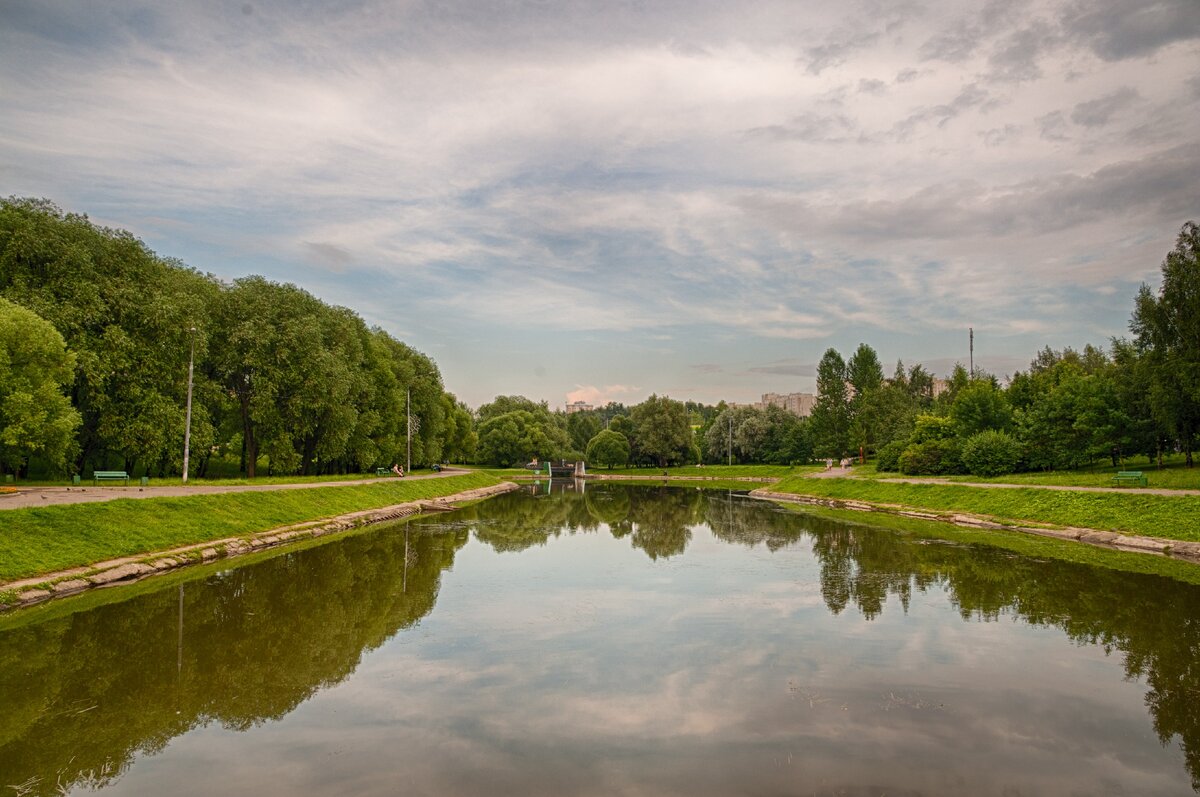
point(408, 428)
point(187, 428)
point(731, 439)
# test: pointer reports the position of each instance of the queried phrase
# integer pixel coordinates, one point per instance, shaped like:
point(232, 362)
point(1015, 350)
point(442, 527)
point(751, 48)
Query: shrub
point(933, 458)
point(991, 453)
point(888, 457)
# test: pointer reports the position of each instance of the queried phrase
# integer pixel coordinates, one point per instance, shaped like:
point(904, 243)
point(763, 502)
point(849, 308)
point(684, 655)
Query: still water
point(614, 641)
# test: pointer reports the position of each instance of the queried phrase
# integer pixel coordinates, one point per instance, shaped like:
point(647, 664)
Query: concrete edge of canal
point(125, 570)
point(1177, 549)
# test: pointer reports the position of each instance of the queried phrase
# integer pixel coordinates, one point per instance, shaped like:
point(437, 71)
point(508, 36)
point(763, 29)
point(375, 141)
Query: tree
point(978, 407)
point(830, 420)
point(36, 418)
point(582, 427)
point(663, 434)
point(1167, 331)
point(608, 448)
point(516, 437)
point(864, 371)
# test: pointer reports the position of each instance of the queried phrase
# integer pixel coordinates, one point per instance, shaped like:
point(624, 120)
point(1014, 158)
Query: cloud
point(872, 86)
point(784, 368)
point(810, 127)
point(328, 255)
point(1016, 57)
point(1116, 30)
point(599, 396)
point(1097, 112)
point(1052, 126)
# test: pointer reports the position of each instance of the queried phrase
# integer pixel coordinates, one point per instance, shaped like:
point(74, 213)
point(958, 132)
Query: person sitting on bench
point(396, 469)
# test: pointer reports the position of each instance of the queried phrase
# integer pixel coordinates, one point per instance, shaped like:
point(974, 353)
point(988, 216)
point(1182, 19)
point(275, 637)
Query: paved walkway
point(26, 497)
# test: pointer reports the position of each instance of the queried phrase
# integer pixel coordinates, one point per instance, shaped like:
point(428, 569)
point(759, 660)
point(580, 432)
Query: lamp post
point(408, 428)
point(187, 428)
point(731, 439)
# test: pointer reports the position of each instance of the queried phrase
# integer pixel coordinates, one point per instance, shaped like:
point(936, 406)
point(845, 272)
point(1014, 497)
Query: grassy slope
point(1018, 542)
point(1169, 517)
point(34, 541)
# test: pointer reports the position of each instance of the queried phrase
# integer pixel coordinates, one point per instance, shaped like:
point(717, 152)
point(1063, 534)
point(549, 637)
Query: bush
point(931, 458)
point(888, 457)
point(991, 453)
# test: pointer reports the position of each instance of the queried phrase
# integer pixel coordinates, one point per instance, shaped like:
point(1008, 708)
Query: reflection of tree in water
point(608, 505)
point(745, 521)
point(85, 692)
point(656, 518)
point(660, 518)
point(514, 522)
point(1150, 619)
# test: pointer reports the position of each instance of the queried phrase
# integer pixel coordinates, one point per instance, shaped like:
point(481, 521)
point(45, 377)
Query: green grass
point(1168, 517)
point(47, 539)
point(175, 481)
point(1174, 475)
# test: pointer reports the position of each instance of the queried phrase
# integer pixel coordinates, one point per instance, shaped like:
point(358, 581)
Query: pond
point(615, 640)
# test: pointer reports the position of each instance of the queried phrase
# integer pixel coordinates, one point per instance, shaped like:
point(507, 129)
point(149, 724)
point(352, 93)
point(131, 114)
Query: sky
point(600, 201)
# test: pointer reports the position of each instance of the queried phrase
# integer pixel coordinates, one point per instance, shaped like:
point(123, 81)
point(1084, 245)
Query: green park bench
point(109, 476)
point(1130, 477)
point(383, 471)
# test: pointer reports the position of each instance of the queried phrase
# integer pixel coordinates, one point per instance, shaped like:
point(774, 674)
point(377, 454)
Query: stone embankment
point(134, 568)
point(1179, 549)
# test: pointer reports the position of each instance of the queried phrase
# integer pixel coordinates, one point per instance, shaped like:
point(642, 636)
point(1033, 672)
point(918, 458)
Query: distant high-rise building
point(797, 403)
point(579, 406)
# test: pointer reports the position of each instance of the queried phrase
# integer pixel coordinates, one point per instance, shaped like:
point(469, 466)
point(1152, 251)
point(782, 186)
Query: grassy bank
point(43, 540)
point(1168, 517)
point(1017, 542)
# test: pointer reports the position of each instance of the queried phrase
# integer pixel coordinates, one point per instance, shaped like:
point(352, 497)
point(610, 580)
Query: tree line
point(96, 334)
point(97, 331)
point(1138, 397)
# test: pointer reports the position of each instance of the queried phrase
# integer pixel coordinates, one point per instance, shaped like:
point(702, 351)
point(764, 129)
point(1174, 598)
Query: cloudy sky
point(603, 200)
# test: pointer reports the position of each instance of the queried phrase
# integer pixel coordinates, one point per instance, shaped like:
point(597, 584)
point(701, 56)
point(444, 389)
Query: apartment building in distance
point(579, 406)
point(797, 403)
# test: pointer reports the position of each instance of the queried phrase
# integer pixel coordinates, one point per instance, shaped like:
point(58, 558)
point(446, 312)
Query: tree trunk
point(249, 444)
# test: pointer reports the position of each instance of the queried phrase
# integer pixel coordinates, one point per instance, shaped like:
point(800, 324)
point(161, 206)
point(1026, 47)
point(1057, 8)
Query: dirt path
point(48, 496)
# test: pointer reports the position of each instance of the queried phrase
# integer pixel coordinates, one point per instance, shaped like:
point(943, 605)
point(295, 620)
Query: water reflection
point(685, 641)
point(84, 693)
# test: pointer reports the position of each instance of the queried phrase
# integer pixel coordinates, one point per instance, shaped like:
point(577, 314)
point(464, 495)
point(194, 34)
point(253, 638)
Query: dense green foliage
point(52, 538)
point(281, 378)
point(772, 435)
point(36, 419)
point(1167, 329)
point(831, 416)
point(608, 449)
point(991, 453)
point(662, 432)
